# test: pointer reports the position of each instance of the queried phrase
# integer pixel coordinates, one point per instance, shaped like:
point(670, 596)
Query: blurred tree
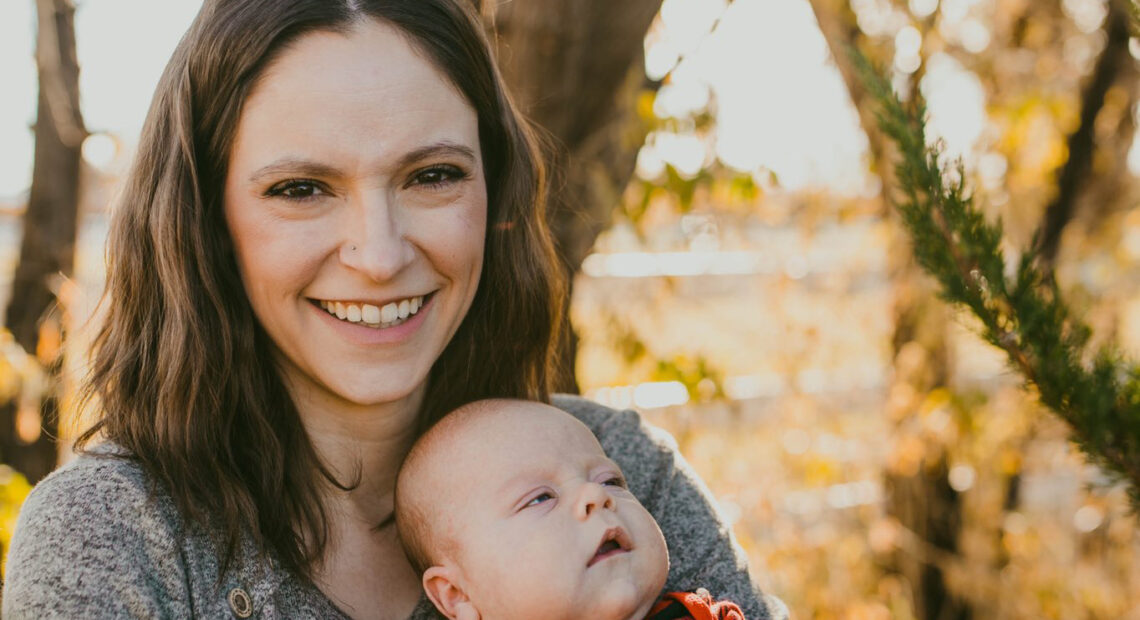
point(1023, 314)
point(919, 494)
point(1114, 67)
point(575, 67)
point(27, 435)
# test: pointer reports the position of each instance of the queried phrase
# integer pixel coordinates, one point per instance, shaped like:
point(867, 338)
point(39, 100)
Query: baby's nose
point(593, 497)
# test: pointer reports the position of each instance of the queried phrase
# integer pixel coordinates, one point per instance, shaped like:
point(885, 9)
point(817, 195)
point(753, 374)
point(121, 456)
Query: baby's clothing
point(697, 605)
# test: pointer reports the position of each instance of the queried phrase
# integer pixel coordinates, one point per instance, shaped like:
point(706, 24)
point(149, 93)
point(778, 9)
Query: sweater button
point(240, 603)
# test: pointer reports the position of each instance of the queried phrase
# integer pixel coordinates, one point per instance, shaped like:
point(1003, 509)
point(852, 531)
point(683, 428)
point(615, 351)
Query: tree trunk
point(574, 67)
point(48, 246)
point(1114, 62)
point(918, 494)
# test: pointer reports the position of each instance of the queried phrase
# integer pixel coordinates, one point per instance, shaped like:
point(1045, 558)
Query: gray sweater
point(93, 541)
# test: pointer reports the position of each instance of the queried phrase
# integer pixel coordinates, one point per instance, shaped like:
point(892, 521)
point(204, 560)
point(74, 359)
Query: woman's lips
point(367, 335)
point(380, 316)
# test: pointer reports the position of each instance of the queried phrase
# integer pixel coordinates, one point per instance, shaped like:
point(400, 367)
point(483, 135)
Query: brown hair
point(184, 374)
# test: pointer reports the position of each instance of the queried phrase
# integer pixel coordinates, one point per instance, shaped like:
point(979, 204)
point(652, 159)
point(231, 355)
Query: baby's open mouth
point(614, 542)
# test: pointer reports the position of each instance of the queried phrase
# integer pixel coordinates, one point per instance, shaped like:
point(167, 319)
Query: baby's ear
point(445, 592)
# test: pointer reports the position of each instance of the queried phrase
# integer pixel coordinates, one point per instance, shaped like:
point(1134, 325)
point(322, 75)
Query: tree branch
point(1024, 316)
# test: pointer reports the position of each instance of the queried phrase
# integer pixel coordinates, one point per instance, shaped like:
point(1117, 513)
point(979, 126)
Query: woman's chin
point(369, 390)
point(378, 394)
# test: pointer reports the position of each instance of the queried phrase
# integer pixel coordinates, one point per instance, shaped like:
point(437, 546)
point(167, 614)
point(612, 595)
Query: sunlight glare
point(974, 35)
point(16, 148)
point(650, 395)
point(922, 9)
point(116, 81)
point(878, 17)
point(789, 111)
point(992, 168)
point(684, 25)
point(18, 105)
point(649, 165)
point(119, 68)
point(660, 58)
point(689, 21)
point(679, 99)
point(962, 477)
point(1088, 15)
point(686, 152)
point(956, 102)
point(100, 150)
point(908, 41)
point(954, 11)
point(908, 44)
point(745, 387)
point(660, 394)
point(1088, 518)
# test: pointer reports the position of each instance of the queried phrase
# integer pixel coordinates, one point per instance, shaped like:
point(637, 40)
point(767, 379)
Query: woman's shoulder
point(84, 530)
point(102, 485)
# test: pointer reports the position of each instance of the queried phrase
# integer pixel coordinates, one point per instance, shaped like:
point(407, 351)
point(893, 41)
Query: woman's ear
point(447, 595)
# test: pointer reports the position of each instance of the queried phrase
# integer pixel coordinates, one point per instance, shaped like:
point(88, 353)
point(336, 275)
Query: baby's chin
point(621, 603)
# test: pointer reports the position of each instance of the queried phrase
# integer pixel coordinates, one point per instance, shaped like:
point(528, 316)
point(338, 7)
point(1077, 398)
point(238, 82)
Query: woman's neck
point(363, 563)
point(359, 444)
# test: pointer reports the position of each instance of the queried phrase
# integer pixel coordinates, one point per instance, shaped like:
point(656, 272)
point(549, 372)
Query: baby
point(511, 510)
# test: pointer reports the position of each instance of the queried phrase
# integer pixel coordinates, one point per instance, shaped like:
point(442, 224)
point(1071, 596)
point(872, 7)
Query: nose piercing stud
point(352, 248)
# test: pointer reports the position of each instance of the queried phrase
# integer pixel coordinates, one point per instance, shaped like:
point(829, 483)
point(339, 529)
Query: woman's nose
point(376, 243)
point(592, 497)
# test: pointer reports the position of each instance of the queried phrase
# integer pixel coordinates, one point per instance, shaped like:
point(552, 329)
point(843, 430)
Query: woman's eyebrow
point(436, 150)
point(294, 165)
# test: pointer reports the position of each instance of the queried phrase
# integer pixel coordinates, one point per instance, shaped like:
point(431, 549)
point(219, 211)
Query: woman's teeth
point(388, 315)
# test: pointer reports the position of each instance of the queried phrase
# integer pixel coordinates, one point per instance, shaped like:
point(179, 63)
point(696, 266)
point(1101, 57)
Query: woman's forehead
point(363, 89)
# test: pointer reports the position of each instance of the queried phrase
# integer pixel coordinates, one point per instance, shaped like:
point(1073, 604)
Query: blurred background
point(738, 275)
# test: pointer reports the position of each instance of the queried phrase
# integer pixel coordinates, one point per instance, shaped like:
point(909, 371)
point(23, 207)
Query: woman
point(333, 233)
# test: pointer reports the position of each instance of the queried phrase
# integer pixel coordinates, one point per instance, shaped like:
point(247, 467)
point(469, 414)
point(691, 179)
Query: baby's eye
point(614, 481)
point(538, 499)
point(295, 189)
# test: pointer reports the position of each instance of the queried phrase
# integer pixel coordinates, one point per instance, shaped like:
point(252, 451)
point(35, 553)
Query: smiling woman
point(355, 180)
point(333, 234)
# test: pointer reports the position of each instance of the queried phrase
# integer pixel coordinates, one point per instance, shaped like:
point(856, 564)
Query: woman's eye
point(294, 189)
point(437, 176)
point(538, 499)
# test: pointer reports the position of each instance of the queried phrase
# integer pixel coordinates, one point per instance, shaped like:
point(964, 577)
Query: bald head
point(511, 509)
point(433, 470)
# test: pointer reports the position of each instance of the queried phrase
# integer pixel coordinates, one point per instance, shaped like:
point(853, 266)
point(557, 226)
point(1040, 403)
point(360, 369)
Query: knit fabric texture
point(99, 539)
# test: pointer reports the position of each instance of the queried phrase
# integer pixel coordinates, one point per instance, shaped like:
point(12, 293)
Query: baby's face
point(542, 524)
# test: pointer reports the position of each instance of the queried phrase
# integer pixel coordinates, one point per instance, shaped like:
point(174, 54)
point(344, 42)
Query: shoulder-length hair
point(183, 373)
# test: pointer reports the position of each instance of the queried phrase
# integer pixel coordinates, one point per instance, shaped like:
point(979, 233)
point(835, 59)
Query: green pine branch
point(1023, 313)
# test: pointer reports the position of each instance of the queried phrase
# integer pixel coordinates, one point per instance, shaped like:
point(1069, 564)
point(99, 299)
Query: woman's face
point(357, 206)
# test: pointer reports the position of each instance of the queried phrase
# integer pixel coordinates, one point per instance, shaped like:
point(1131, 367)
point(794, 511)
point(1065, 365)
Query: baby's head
point(510, 509)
